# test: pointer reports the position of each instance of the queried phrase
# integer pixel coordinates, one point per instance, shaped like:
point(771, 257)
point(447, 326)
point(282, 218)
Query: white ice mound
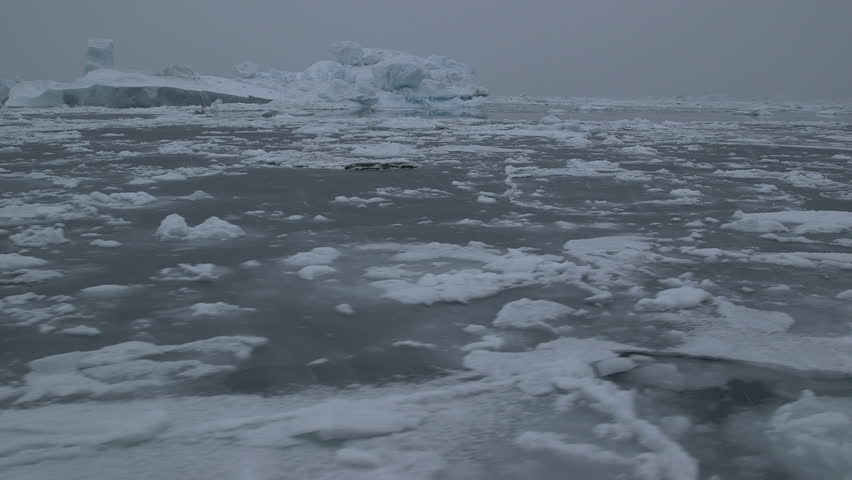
point(99, 54)
point(174, 227)
point(679, 298)
point(131, 367)
point(358, 77)
point(5, 88)
point(527, 314)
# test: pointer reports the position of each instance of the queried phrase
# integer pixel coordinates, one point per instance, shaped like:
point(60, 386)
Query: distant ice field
point(617, 289)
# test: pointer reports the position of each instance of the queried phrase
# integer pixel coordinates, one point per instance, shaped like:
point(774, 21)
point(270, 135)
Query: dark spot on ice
point(379, 166)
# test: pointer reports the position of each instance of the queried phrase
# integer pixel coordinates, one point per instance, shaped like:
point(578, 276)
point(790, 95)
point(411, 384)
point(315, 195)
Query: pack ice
point(357, 77)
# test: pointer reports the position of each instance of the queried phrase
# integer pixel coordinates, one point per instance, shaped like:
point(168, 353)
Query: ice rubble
point(362, 77)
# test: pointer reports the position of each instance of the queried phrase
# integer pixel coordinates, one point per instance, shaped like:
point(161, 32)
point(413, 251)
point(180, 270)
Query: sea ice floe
point(527, 314)
point(802, 222)
point(385, 150)
point(81, 331)
point(131, 367)
point(28, 309)
point(107, 290)
point(174, 227)
point(16, 261)
point(674, 299)
point(481, 271)
point(316, 256)
point(345, 309)
point(98, 242)
point(39, 237)
point(188, 272)
point(312, 272)
point(810, 436)
point(217, 309)
point(117, 199)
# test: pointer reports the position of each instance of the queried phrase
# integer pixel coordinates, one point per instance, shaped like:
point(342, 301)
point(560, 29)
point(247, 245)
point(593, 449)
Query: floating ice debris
point(217, 309)
point(675, 299)
point(174, 227)
point(39, 237)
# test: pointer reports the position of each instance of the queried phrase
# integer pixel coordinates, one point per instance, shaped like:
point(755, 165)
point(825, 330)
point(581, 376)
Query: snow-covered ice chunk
point(196, 195)
point(174, 227)
point(312, 272)
point(811, 436)
point(611, 366)
point(13, 213)
point(217, 309)
point(188, 272)
point(803, 222)
point(130, 367)
point(345, 309)
point(59, 432)
point(527, 314)
point(674, 299)
point(81, 331)
point(107, 290)
point(357, 201)
point(316, 256)
point(39, 237)
point(565, 365)
point(498, 271)
point(99, 242)
point(844, 295)
point(117, 199)
point(685, 192)
point(16, 261)
point(29, 309)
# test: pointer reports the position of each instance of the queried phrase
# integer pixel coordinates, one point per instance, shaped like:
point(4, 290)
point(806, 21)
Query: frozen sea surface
point(610, 289)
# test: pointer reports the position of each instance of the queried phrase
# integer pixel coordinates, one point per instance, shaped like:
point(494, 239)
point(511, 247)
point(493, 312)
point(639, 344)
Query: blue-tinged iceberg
point(360, 77)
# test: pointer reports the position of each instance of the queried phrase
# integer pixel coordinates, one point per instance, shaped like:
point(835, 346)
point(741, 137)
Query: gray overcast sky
point(788, 48)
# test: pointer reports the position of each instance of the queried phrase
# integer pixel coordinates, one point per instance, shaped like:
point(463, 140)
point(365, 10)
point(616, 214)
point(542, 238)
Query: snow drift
point(357, 77)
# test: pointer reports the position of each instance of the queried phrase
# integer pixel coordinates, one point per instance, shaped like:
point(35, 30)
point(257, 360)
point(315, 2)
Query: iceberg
point(99, 54)
point(356, 77)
